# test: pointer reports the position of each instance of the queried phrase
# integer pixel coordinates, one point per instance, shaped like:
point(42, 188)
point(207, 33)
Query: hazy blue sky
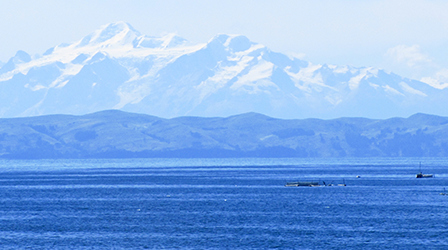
point(409, 37)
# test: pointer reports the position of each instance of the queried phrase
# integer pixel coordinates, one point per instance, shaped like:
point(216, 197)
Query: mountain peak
point(117, 67)
point(239, 43)
point(119, 33)
point(21, 56)
point(232, 43)
point(173, 40)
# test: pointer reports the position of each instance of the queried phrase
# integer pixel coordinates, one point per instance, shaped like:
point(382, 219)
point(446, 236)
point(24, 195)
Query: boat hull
point(301, 184)
point(420, 175)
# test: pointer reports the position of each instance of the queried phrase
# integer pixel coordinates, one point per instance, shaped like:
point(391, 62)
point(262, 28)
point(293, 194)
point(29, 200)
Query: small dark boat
point(421, 175)
point(343, 183)
point(339, 185)
point(302, 184)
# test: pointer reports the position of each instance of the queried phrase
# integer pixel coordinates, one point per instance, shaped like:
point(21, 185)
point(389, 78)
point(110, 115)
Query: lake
point(223, 204)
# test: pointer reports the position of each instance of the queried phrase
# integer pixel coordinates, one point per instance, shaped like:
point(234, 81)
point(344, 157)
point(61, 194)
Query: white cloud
point(410, 55)
point(418, 65)
point(439, 80)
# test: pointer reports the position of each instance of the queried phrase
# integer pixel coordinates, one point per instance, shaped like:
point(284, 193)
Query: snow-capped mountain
point(116, 67)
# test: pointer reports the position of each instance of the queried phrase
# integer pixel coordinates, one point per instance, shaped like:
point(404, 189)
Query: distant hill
point(118, 134)
point(116, 67)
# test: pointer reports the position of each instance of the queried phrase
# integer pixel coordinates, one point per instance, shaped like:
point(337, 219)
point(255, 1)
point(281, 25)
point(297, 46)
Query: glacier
point(116, 67)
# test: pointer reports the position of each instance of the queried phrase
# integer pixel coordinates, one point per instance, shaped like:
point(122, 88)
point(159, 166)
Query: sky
point(407, 37)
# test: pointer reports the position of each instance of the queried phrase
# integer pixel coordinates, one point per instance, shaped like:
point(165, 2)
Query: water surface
point(223, 204)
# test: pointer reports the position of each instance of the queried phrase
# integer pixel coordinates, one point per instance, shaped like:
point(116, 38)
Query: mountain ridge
point(119, 134)
point(116, 67)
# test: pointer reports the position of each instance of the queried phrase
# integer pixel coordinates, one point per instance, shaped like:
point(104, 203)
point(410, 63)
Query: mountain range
point(118, 134)
point(116, 67)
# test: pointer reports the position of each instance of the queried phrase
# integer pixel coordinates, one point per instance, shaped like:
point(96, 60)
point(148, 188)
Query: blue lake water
point(223, 204)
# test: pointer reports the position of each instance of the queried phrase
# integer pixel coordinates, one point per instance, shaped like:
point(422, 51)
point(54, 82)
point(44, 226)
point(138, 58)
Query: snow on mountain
point(116, 67)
